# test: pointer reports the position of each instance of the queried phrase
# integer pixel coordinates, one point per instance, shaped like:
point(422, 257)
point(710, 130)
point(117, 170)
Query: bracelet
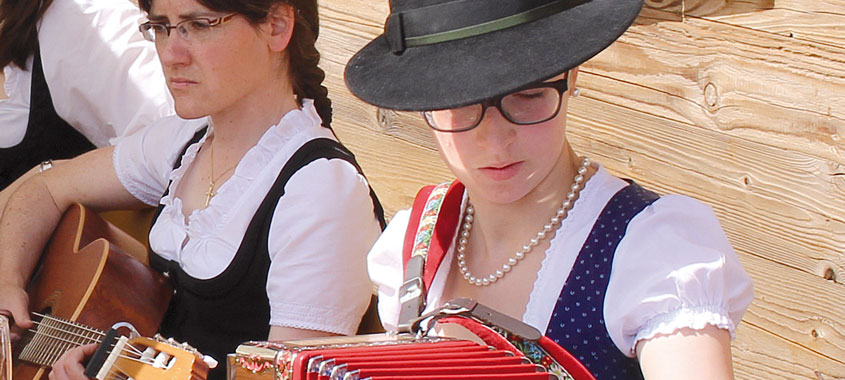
point(45, 165)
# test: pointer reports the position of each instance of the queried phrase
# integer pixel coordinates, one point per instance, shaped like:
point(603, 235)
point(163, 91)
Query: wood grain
point(740, 104)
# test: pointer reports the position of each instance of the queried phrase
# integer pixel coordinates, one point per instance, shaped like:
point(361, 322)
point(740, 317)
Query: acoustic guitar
point(92, 278)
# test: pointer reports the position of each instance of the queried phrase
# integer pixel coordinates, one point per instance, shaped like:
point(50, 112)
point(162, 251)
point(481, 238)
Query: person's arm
point(687, 354)
point(34, 210)
point(290, 333)
point(7, 192)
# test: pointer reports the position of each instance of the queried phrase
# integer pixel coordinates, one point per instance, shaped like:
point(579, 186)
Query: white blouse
point(673, 269)
point(104, 78)
point(321, 230)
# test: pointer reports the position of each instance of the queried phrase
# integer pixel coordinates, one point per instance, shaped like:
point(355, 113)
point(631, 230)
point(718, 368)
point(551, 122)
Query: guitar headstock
point(154, 359)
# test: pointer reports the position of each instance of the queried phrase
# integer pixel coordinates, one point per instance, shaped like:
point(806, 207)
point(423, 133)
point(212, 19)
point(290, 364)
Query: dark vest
point(577, 323)
point(47, 135)
point(216, 315)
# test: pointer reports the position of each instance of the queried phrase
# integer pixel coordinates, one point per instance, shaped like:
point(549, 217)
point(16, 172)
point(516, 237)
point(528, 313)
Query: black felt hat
point(437, 54)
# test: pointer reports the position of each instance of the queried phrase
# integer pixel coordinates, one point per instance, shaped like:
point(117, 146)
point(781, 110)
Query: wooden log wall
point(740, 104)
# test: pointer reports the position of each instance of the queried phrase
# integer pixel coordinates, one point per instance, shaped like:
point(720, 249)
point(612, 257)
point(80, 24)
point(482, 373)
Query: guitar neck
point(51, 337)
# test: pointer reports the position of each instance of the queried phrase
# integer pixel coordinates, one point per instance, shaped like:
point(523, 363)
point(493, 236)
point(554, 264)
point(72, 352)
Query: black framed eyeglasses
point(191, 30)
point(531, 105)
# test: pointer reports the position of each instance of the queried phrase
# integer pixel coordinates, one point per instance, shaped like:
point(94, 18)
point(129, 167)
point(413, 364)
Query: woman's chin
point(190, 112)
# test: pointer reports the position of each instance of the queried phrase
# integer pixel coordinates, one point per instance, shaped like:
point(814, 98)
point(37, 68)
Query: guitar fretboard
point(51, 337)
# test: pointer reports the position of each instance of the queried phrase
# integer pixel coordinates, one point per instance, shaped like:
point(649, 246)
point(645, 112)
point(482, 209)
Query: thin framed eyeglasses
point(533, 104)
point(190, 30)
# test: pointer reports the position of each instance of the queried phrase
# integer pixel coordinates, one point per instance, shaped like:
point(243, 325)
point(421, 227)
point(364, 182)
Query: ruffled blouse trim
point(572, 219)
point(312, 317)
point(204, 223)
point(13, 75)
point(11, 81)
point(173, 205)
point(691, 317)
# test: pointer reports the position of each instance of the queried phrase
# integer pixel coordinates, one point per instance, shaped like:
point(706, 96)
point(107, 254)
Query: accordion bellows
point(379, 357)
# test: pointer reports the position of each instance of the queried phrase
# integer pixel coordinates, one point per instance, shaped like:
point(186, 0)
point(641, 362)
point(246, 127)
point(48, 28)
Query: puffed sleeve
point(384, 263)
point(144, 160)
point(105, 79)
point(321, 231)
point(674, 269)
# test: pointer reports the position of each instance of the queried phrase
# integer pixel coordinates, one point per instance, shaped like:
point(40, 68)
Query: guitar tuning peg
point(212, 363)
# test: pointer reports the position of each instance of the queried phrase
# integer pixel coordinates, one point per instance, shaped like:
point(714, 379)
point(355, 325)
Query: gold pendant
point(209, 193)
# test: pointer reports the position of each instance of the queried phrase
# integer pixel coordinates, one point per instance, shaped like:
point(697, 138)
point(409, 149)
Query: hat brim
point(461, 72)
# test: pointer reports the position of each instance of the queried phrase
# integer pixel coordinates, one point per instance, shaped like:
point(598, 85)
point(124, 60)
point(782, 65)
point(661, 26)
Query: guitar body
point(83, 277)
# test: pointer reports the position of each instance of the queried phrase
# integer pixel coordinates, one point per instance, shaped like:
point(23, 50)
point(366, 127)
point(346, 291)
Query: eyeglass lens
point(529, 106)
point(195, 29)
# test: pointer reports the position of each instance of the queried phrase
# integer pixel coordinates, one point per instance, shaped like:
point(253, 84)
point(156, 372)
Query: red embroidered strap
point(413, 223)
point(431, 228)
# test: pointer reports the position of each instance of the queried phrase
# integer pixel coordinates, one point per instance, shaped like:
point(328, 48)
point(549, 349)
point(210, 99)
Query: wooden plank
point(716, 8)
point(761, 355)
point(821, 27)
point(757, 85)
point(763, 149)
point(802, 330)
point(709, 8)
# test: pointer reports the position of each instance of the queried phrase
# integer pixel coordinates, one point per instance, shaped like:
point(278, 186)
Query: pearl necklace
point(526, 249)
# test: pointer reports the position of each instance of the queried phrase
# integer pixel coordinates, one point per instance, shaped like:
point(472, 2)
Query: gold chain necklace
point(210, 193)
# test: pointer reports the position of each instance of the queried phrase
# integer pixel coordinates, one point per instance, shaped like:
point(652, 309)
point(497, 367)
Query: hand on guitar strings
point(70, 365)
point(14, 304)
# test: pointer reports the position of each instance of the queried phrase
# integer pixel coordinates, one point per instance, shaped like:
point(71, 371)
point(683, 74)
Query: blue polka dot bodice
point(577, 323)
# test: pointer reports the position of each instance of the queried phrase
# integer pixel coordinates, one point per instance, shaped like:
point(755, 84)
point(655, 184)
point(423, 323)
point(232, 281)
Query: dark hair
point(306, 77)
point(18, 30)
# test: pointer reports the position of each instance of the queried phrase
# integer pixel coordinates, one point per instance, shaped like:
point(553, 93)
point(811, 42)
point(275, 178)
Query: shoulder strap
point(431, 230)
point(311, 151)
point(196, 138)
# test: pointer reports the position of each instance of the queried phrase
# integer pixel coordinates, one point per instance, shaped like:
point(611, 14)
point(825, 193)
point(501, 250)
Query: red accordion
point(503, 354)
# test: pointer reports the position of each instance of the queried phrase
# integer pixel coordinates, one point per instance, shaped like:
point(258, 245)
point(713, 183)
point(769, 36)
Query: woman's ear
point(573, 81)
point(280, 21)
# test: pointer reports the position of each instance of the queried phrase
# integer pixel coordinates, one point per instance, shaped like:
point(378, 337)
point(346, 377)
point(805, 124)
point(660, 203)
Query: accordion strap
point(431, 230)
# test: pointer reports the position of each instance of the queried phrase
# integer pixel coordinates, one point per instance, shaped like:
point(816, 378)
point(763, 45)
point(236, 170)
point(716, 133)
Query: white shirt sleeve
point(144, 160)
point(674, 269)
point(321, 231)
point(14, 111)
point(105, 79)
point(384, 263)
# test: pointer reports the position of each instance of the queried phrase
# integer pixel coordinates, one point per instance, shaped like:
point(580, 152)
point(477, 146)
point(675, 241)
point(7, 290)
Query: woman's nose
point(495, 130)
point(173, 50)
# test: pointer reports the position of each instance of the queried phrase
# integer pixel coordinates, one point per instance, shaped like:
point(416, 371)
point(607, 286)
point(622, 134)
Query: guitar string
point(116, 373)
point(125, 353)
point(72, 324)
point(43, 352)
point(63, 334)
point(50, 333)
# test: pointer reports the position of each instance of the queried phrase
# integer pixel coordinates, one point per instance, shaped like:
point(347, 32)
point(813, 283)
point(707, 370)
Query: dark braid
point(305, 74)
point(18, 31)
